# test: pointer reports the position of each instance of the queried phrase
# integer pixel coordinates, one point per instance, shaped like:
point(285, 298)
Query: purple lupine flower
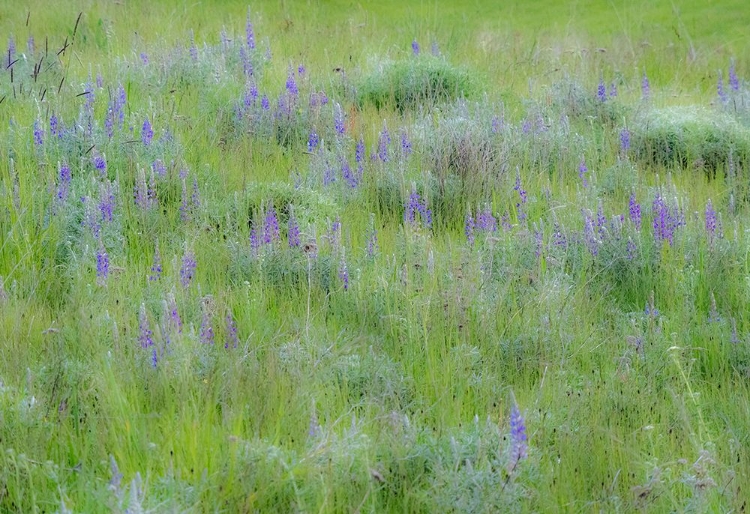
point(106, 201)
point(30, 46)
point(156, 267)
point(265, 104)
point(144, 58)
point(102, 265)
point(485, 221)
point(247, 64)
point(38, 133)
point(558, 237)
point(293, 232)
point(582, 171)
point(301, 70)
point(251, 94)
point(270, 226)
point(159, 168)
point(346, 173)
point(151, 192)
point(231, 332)
point(144, 330)
point(518, 439)
point(710, 216)
point(206, 330)
point(734, 82)
point(312, 141)
point(63, 186)
point(645, 87)
point(416, 205)
point(359, 151)
point(344, 271)
point(521, 198)
point(405, 144)
point(666, 220)
point(589, 234)
point(193, 48)
point(415, 47)
point(90, 218)
point(601, 220)
point(54, 126)
point(338, 119)
point(100, 164)
point(383, 141)
point(497, 124)
point(613, 90)
point(329, 175)
point(634, 208)
point(147, 133)
point(469, 228)
point(723, 97)
point(334, 236)
point(249, 33)
point(254, 240)
point(291, 83)
point(624, 140)
point(173, 321)
point(601, 91)
point(630, 250)
point(187, 271)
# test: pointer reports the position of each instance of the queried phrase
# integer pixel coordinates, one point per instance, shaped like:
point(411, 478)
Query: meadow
point(380, 257)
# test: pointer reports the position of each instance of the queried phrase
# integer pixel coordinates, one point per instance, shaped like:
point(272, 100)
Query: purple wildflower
point(187, 271)
point(521, 198)
point(518, 439)
point(38, 133)
point(144, 58)
point(172, 319)
point(156, 267)
point(344, 271)
point(383, 141)
point(634, 208)
point(254, 240)
point(159, 168)
point(265, 103)
point(30, 46)
point(723, 97)
point(193, 48)
point(416, 205)
point(485, 221)
point(613, 90)
point(293, 232)
point(338, 119)
point(645, 87)
point(100, 164)
point(601, 91)
point(291, 83)
point(734, 82)
point(631, 249)
point(102, 264)
point(589, 234)
point(63, 186)
point(405, 144)
point(54, 127)
point(359, 151)
point(106, 201)
point(469, 228)
point(231, 332)
point(582, 171)
point(415, 47)
point(249, 33)
point(147, 133)
point(144, 330)
point(710, 217)
point(206, 330)
point(270, 226)
point(348, 175)
point(312, 141)
point(624, 140)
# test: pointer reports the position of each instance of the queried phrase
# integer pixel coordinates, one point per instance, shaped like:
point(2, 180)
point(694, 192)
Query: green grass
point(375, 375)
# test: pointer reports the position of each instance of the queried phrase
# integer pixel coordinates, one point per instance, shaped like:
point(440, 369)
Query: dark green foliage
point(418, 82)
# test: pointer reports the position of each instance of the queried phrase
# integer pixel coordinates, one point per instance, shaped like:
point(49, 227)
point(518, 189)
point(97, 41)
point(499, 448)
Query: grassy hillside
point(399, 257)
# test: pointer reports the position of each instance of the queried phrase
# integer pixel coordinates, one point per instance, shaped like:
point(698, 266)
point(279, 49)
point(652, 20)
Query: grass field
point(387, 257)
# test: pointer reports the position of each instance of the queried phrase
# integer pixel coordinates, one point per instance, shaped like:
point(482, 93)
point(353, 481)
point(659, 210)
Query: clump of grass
point(415, 83)
point(689, 137)
point(577, 102)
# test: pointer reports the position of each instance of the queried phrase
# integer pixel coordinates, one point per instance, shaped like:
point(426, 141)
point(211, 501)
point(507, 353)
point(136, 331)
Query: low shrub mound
point(417, 82)
point(690, 137)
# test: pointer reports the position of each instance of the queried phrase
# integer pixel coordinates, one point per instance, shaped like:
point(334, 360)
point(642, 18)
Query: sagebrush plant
point(386, 259)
